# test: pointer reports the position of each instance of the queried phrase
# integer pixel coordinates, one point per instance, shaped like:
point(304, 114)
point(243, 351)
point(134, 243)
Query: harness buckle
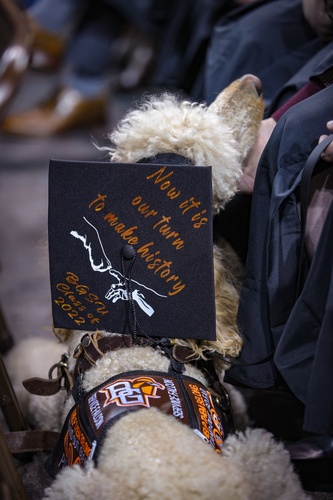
point(63, 375)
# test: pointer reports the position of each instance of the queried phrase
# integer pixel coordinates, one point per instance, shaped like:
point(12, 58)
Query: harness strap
point(31, 441)
point(92, 347)
point(234, 361)
point(49, 387)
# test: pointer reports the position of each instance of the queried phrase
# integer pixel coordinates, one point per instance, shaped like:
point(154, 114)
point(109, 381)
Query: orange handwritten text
point(161, 268)
point(77, 309)
point(165, 230)
point(159, 178)
point(143, 208)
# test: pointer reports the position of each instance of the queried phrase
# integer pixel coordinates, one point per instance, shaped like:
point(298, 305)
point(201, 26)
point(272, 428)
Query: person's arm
point(266, 128)
point(251, 162)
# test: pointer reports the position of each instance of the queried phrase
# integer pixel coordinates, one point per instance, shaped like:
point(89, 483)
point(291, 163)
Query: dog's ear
point(241, 106)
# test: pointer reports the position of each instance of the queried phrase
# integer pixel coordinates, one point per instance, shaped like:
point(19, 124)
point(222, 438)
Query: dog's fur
point(148, 454)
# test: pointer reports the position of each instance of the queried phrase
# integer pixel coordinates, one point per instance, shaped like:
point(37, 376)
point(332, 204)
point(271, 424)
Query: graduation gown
point(296, 333)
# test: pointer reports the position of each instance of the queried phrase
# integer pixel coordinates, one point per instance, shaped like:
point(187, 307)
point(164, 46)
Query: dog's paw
point(267, 464)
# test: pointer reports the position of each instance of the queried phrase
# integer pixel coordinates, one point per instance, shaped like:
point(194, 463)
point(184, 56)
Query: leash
point(234, 361)
point(94, 345)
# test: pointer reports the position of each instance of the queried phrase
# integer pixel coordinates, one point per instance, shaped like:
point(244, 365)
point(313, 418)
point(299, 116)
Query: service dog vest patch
point(179, 395)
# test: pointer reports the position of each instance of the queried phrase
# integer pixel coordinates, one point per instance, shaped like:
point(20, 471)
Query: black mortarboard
point(131, 248)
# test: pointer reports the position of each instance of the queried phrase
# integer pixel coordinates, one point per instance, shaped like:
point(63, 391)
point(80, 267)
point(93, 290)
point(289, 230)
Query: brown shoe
point(48, 48)
point(15, 51)
point(67, 110)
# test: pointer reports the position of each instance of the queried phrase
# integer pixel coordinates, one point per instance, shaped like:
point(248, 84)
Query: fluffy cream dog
point(148, 454)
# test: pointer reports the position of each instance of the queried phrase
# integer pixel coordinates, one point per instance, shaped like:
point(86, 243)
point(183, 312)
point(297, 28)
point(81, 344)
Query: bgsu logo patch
point(183, 397)
point(132, 392)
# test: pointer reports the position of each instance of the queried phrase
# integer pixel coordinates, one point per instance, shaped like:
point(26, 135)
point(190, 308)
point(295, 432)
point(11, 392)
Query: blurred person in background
point(304, 80)
point(272, 39)
point(108, 44)
point(84, 40)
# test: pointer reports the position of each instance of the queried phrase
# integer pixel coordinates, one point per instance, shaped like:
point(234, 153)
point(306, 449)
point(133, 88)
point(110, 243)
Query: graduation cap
point(131, 248)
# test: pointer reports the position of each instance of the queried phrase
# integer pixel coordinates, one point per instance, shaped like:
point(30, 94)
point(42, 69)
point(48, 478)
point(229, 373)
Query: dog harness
point(96, 411)
point(206, 411)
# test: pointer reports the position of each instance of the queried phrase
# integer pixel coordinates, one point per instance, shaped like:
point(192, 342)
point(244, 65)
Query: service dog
point(158, 422)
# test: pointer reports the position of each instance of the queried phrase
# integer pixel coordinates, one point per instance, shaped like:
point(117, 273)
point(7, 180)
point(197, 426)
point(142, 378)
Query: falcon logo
point(132, 392)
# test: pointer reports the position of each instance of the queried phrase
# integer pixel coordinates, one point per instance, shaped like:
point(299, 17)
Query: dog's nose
point(253, 80)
